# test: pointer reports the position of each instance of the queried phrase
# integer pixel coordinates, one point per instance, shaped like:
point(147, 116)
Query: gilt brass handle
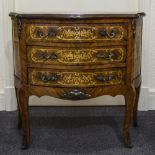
point(75, 94)
point(105, 33)
point(45, 56)
point(40, 33)
point(41, 55)
point(47, 78)
point(51, 33)
point(102, 55)
point(102, 78)
point(52, 56)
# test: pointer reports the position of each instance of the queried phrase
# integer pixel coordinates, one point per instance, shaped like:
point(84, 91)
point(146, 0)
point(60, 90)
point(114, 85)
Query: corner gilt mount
point(19, 23)
point(134, 27)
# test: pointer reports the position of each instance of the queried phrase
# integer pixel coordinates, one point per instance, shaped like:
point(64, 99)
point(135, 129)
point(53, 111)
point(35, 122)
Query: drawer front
point(76, 78)
point(77, 32)
point(75, 56)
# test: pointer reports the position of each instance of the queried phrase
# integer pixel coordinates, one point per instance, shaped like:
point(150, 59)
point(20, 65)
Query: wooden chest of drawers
point(76, 57)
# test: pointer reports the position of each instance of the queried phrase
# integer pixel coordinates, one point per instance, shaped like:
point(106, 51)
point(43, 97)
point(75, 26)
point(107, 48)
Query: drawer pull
point(104, 78)
point(41, 34)
point(52, 56)
point(107, 56)
point(42, 55)
point(47, 78)
point(75, 94)
point(51, 33)
point(111, 34)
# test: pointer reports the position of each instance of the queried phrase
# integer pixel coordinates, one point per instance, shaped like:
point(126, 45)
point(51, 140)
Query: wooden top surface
point(77, 15)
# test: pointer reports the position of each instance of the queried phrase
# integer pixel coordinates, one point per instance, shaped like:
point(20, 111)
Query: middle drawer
point(76, 55)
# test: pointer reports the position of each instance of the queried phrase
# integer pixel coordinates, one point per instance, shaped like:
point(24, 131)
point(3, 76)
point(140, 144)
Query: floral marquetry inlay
point(48, 78)
point(72, 56)
point(82, 32)
point(77, 33)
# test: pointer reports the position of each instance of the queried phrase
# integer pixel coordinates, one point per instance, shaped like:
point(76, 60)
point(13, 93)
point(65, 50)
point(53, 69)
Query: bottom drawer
point(77, 78)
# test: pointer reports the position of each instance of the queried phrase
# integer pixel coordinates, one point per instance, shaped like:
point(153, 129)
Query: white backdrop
point(75, 5)
point(7, 95)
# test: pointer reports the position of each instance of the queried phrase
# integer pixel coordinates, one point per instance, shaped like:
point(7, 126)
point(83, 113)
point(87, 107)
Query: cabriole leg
point(129, 103)
point(135, 120)
point(23, 99)
point(19, 111)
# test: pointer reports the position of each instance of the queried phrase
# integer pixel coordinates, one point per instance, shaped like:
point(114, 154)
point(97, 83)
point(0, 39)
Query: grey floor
point(77, 131)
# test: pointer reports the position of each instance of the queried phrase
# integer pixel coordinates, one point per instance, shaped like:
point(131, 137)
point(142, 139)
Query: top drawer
point(112, 33)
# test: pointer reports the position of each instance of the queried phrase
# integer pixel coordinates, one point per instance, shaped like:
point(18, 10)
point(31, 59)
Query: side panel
point(16, 53)
point(138, 47)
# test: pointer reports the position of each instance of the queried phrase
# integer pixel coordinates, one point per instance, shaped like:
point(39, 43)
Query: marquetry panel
point(73, 56)
point(105, 32)
point(76, 78)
